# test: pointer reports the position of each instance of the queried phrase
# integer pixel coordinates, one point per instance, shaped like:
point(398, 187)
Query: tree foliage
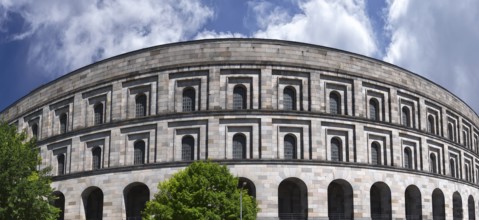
point(25, 192)
point(203, 190)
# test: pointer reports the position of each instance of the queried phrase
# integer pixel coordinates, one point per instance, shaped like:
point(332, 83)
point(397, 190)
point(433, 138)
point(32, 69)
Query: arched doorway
point(470, 208)
point(93, 203)
point(292, 199)
point(413, 203)
point(438, 206)
point(380, 201)
point(340, 200)
point(457, 206)
point(136, 195)
point(59, 203)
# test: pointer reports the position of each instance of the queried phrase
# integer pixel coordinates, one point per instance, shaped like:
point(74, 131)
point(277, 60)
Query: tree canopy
point(25, 192)
point(203, 190)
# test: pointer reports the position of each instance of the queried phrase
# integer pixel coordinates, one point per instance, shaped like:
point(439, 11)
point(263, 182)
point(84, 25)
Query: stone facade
point(337, 127)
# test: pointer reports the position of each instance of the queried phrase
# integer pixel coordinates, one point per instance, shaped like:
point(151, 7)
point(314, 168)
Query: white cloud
point(208, 34)
point(71, 34)
point(439, 41)
point(268, 14)
point(339, 24)
point(3, 18)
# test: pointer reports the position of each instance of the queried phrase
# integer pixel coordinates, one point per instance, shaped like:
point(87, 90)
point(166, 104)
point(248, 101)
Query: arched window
point(289, 98)
point(239, 97)
point(405, 116)
point(336, 149)
point(61, 164)
point(413, 202)
point(187, 148)
point(464, 139)
point(189, 99)
point(471, 208)
point(450, 131)
point(93, 203)
point(59, 203)
point(466, 170)
point(407, 158)
point(375, 153)
point(431, 124)
point(340, 200)
point(239, 146)
point(98, 109)
point(290, 147)
point(374, 110)
point(136, 195)
point(139, 152)
point(433, 162)
point(452, 167)
point(292, 199)
point(96, 158)
point(380, 201)
point(63, 123)
point(245, 183)
point(476, 149)
point(457, 206)
point(470, 174)
point(35, 130)
point(438, 205)
point(140, 104)
point(334, 103)
point(467, 173)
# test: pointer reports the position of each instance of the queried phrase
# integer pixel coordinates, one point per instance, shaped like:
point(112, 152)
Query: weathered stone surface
point(265, 68)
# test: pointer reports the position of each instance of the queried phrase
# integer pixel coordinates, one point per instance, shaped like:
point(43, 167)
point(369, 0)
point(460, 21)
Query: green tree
point(203, 190)
point(25, 192)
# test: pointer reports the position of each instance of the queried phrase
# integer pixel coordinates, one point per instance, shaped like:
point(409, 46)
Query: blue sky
point(43, 40)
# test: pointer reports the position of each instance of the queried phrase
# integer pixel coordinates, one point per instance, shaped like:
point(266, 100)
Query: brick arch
point(136, 195)
point(292, 199)
point(59, 203)
point(340, 200)
point(380, 201)
point(457, 210)
point(92, 198)
point(438, 204)
point(413, 202)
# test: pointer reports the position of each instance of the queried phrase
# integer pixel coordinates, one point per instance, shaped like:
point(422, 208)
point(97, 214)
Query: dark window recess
point(139, 153)
point(140, 105)
point(239, 97)
point(187, 148)
point(189, 96)
point(289, 98)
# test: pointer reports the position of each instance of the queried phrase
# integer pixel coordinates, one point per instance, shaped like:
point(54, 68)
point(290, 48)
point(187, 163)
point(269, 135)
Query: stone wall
point(265, 69)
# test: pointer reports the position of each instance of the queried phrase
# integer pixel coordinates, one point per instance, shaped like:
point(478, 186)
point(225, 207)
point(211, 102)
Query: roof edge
point(277, 41)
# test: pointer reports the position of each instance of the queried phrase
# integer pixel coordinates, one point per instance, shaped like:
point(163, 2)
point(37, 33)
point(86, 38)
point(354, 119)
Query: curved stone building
point(315, 132)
